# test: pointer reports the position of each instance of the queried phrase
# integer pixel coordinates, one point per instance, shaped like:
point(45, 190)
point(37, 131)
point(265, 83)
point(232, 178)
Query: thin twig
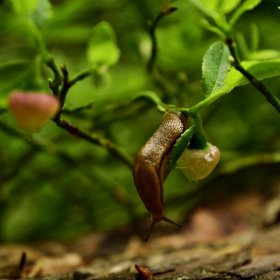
point(80, 76)
point(68, 83)
point(65, 87)
point(151, 63)
point(152, 31)
point(114, 150)
point(61, 75)
point(77, 109)
point(56, 82)
point(270, 97)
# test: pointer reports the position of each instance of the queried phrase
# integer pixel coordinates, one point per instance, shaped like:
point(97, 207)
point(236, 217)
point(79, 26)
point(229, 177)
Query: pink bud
point(32, 110)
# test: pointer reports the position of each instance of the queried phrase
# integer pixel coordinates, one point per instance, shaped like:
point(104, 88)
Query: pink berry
point(32, 110)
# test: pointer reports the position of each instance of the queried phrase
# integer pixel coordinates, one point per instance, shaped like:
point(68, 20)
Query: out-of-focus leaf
point(264, 55)
point(39, 11)
point(102, 80)
point(242, 45)
point(226, 6)
point(16, 75)
point(205, 8)
point(42, 14)
point(215, 67)
point(102, 49)
point(245, 6)
point(23, 7)
point(255, 38)
point(206, 24)
point(218, 6)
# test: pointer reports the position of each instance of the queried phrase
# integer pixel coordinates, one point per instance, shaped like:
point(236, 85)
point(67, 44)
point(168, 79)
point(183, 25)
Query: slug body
point(152, 165)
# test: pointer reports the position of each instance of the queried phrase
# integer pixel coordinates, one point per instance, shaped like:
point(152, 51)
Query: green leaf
point(226, 6)
point(42, 13)
point(23, 7)
point(102, 49)
point(215, 67)
point(206, 24)
point(255, 38)
point(259, 69)
point(245, 6)
point(101, 80)
point(180, 145)
point(206, 8)
point(263, 55)
point(242, 45)
point(213, 7)
point(39, 11)
point(209, 9)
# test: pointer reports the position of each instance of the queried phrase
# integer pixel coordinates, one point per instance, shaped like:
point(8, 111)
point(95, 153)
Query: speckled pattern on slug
point(163, 139)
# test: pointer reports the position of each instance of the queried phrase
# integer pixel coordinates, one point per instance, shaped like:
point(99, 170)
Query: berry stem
point(198, 141)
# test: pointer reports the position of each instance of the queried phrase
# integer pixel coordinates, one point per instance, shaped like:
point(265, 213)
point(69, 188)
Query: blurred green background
point(70, 187)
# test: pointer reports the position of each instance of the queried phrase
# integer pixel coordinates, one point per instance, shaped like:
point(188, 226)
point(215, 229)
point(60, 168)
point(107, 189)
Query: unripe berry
point(198, 164)
point(32, 110)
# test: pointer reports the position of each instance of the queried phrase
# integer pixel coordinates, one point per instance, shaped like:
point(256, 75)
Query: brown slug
point(152, 165)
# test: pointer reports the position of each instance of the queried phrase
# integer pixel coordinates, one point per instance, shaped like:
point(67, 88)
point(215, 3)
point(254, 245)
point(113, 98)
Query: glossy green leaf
point(180, 145)
point(259, 69)
point(42, 13)
point(215, 67)
point(245, 6)
point(102, 49)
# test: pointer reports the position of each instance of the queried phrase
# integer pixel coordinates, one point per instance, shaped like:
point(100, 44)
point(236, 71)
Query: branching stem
point(116, 151)
point(270, 97)
point(151, 63)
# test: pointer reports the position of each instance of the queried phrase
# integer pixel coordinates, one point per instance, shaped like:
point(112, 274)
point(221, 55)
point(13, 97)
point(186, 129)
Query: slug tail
point(150, 229)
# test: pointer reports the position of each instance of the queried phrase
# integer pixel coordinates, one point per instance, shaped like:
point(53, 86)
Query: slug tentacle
point(152, 165)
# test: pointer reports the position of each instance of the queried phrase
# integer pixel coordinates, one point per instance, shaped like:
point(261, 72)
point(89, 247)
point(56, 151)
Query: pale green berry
point(198, 164)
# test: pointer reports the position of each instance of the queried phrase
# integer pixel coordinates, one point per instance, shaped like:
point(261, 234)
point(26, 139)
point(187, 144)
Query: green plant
point(164, 83)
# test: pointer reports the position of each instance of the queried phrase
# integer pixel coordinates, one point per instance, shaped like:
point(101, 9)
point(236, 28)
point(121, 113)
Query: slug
point(152, 165)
